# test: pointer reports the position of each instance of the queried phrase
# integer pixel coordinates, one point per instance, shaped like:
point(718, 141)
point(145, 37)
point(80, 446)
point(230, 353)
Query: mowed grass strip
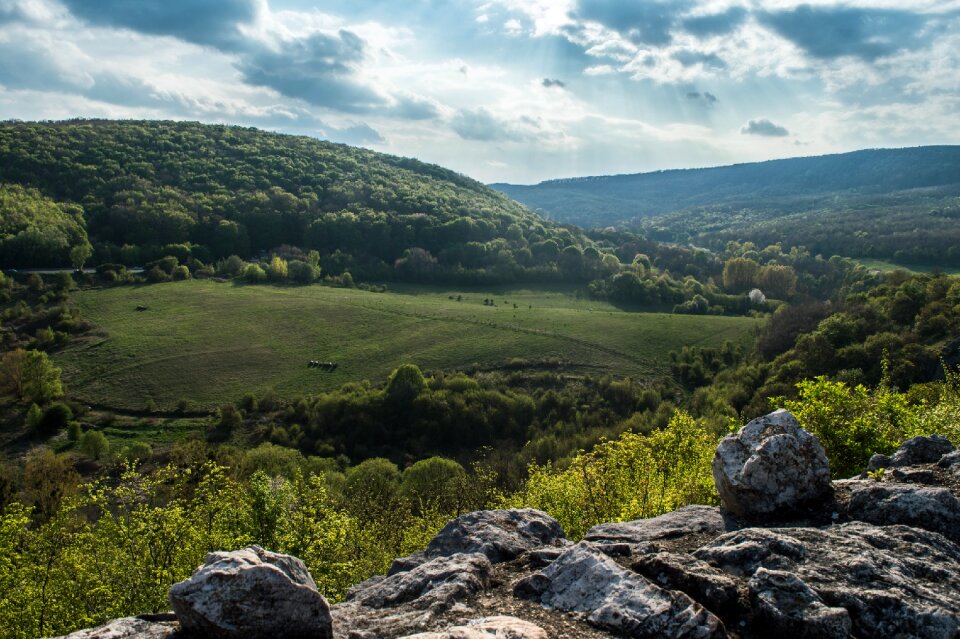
point(210, 343)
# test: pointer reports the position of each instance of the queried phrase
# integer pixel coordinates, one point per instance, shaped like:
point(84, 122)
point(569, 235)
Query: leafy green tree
point(405, 384)
point(40, 379)
point(94, 444)
point(436, 482)
point(254, 274)
point(740, 274)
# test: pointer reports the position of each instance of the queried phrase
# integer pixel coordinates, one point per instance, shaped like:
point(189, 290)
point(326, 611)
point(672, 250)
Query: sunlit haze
point(505, 90)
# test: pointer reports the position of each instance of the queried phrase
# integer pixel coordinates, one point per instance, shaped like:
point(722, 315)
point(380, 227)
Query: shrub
point(94, 444)
point(55, 418)
point(254, 274)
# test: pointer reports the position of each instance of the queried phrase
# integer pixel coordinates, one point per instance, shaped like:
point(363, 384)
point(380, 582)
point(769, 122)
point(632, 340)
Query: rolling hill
point(145, 186)
point(898, 204)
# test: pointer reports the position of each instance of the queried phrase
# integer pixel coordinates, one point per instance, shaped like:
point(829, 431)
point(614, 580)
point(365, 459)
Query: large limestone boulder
point(585, 580)
point(435, 585)
point(771, 466)
point(251, 594)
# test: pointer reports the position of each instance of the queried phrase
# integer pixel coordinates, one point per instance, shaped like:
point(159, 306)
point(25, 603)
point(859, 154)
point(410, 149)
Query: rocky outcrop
point(876, 556)
point(771, 466)
point(489, 628)
point(130, 628)
point(586, 581)
point(666, 530)
point(783, 603)
point(500, 535)
point(922, 449)
point(251, 594)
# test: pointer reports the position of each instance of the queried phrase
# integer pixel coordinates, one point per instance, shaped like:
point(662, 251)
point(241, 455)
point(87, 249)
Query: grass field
point(210, 343)
point(886, 267)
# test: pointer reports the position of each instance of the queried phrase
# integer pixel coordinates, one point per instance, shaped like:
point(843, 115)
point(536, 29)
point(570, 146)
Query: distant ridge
point(774, 184)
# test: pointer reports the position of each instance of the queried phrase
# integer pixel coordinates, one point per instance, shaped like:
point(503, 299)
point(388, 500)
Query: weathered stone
point(436, 584)
point(686, 521)
point(708, 585)
point(783, 603)
point(922, 449)
point(584, 580)
point(127, 628)
point(949, 460)
point(488, 628)
point(893, 580)
point(501, 535)
point(251, 594)
point(770, 466)
point(928, 507)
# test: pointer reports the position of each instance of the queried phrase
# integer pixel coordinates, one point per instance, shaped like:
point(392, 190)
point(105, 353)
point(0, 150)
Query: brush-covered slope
point(232, 190)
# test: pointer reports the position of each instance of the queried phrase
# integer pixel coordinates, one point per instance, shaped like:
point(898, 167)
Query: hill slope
point(601, 200)
point(887, 203)
point(233, 190)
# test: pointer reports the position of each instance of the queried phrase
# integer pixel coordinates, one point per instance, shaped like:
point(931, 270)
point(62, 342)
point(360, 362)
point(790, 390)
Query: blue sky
point(505, 90)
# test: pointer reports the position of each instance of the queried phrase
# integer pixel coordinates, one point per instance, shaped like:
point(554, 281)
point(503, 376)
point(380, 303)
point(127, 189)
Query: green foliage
point(254, 274)
point(37, 231)
point(405, 384)
point(150, 187)
point(94, 444)
point(854, 423)
point(55, 418)
point(40, 379)
point(435, 483)
point(632, 477)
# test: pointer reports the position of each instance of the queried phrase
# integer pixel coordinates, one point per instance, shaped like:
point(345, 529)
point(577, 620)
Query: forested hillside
point(898, 204)
point(214, 191)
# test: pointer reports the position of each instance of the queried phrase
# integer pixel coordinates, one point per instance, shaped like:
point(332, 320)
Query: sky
point(505, 90)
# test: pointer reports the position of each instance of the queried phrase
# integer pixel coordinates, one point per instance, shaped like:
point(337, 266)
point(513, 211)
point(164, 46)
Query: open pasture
point(210, 343)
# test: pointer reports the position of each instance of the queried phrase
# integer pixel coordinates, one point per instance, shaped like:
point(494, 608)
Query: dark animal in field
point(324, 366)
point(141, 307)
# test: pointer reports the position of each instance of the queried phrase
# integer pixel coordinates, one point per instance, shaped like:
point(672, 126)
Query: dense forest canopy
point(224, 190)
point(898, 204)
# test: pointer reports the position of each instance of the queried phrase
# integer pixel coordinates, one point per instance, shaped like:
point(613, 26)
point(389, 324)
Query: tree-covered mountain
point(887, 203)
point(220, 190)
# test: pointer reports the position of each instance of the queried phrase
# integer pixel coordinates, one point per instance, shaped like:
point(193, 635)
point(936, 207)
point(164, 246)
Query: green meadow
point(212, 342)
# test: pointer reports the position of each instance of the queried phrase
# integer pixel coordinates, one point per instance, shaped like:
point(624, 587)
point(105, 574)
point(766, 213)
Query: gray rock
point(488, 628)
point(411, 601)
point(679, 571)
point(771, 466)
point(501, 535)
point(928, 507)
point(584, 580)
point(922, 449)
point(894, 581)
point(686, 521)
point(949, 460)
point(783, 603)
point(251, 594)
point(127, 628)
point(434, 585)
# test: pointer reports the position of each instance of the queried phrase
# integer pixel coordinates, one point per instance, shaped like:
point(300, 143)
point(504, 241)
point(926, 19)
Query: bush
point(55, 417)
point(254, 274)
point(94, 444)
